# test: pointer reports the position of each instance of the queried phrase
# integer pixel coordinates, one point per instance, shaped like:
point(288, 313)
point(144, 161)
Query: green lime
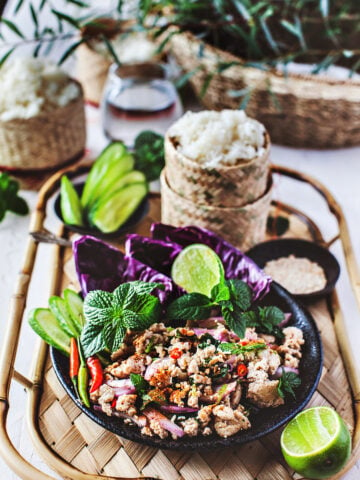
point(197, 268)
point(316, 443)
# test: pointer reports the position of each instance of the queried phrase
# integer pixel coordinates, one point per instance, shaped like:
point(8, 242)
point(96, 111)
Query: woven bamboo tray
point(312, 111)
point(78, 449)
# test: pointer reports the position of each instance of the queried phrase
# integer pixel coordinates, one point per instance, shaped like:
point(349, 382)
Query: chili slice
point(242, 370)
point(96, 372)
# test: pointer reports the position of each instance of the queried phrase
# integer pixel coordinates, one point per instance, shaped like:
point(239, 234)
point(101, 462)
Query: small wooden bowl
point(273, 249)
point(133, 220)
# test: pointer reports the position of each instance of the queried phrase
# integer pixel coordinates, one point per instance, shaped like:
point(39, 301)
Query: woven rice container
point(243, 226)
point(44, 141)
point(223, 186)
point(299, 110)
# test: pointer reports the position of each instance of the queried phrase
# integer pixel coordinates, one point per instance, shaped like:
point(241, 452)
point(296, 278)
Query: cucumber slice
point(70, 206)
point(114, 162)
point(58, 307)
point(45, 324)
point(75, 306)
point(128, 179)
point(113, 212)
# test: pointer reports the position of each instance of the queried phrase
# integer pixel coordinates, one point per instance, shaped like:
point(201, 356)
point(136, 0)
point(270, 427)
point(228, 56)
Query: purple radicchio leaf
point(236, 263)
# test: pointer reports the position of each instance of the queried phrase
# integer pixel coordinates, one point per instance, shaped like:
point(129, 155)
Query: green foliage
point(109, 315)
point(149, 154)
point(9, 199)
point(288, 382)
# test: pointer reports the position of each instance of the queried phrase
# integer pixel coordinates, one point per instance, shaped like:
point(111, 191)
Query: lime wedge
point(197, 268)
point(316, 443)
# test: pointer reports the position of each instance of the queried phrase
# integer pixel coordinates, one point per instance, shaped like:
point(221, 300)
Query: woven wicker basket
point(244, 226)
point(44, 141)
point(223, 186)
point(297, 110)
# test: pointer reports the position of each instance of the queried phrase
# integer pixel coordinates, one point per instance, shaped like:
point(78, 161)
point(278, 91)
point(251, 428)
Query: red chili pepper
point(244, 342)
point(74, 364)
point(176, 353)
point(96, 372)
point(242, 370)
point(113, 403)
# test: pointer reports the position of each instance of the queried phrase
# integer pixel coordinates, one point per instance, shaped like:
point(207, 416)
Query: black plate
point(135, 218)
point(263, 422)
point(273, 249)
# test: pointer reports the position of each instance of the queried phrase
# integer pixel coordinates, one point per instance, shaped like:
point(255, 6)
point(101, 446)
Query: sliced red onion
point(287, 317)
point(155, 366)
point(166, 424)
point(123, 382)
point(282, 369)
point(220, 393)
point(140, 421)
point(231, 361)
point(118, 391)
point(220, 335)
point(176, 409)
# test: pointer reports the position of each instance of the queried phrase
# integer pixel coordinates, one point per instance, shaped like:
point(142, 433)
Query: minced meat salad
point(199, 379)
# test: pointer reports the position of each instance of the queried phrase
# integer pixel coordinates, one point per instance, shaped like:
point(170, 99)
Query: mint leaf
point(240, 293)
point(271, 315)
point(140, 384)
point(9, 199)
point(220, 292)
point(109, 315)
point(287, 383)
point(192, 306)
point(235, 320)
point(237, 349)
point(146, 287)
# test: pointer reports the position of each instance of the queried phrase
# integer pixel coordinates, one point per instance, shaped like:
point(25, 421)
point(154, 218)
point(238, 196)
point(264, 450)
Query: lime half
point(316, 443)
point(197, 268)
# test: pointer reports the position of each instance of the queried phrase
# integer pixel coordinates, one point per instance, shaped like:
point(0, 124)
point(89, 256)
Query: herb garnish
point(236, 349)
point(9, 199)
point(149, 154)
point(109, 315)
point(141, 385)
point(206, 340)
point(234, 298)
point(287, 383)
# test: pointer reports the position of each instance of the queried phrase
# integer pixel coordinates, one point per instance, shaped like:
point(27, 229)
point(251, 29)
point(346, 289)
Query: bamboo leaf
point(70, 50)
point(111, 49)
point(18, 6)
point(66, 18)
point(12, 27)
point(186, 77)
point(79, 3)
point(42, 5)
point(245, 100)
point(6, 56)
point(269, 36)
point(37, 49)
point(205, 85)
point(238, 93)
point(34, 19)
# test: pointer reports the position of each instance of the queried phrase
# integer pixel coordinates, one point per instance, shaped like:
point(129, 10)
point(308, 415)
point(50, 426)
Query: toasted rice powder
point(298, 275)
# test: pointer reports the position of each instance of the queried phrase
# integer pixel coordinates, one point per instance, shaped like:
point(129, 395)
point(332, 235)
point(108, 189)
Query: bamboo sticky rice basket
point(48, 140)
point(76, 448)
point(223, 186)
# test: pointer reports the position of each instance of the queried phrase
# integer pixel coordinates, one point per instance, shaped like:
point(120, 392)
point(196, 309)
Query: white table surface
point(339, 171)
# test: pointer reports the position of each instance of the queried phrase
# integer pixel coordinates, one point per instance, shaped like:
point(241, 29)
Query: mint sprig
point(236, 349)
point(109, 315)
point(287, 383)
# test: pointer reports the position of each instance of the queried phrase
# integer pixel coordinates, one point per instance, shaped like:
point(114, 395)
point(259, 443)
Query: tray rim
point(33, 385)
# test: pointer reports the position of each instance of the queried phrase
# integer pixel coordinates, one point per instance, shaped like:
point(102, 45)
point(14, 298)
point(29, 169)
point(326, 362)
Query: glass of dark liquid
point(138, 97)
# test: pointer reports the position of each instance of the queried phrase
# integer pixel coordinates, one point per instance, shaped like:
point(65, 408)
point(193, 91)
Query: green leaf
point(11, 25)
point(240, 293)
point(271, 315)
point(113, 335)
point(33, 16)
point(146, 287)
point(220, 292)
point(205, 85)
point(111, 49)
point(288, 382)
point(18, 205)
point(79, 3)
point(92, 339)
point(70, 50)
point(18, 6)
point(66, 18)
point(149, 154)
point(140, 384)
point(192, 306)
point(98, 306)
point(234, 320)
point(6, 56)
point(183, 80)
point(324, 7)
point(237, 349)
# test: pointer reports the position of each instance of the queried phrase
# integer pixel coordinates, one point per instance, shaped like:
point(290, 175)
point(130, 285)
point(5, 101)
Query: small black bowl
point(135, 218)
point(273, 249)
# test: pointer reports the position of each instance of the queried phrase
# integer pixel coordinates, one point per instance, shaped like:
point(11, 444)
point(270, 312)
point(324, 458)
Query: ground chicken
point(158, 429)
point(229, 421)
point(264, 393)
point(291, 347)
point(135, 364)
point(193, 398)
point(204, 415)
point(191, 427)
point(161, 378)
point(106, 397)
point(272, 359)
point(126, 404)
point(177, 396)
